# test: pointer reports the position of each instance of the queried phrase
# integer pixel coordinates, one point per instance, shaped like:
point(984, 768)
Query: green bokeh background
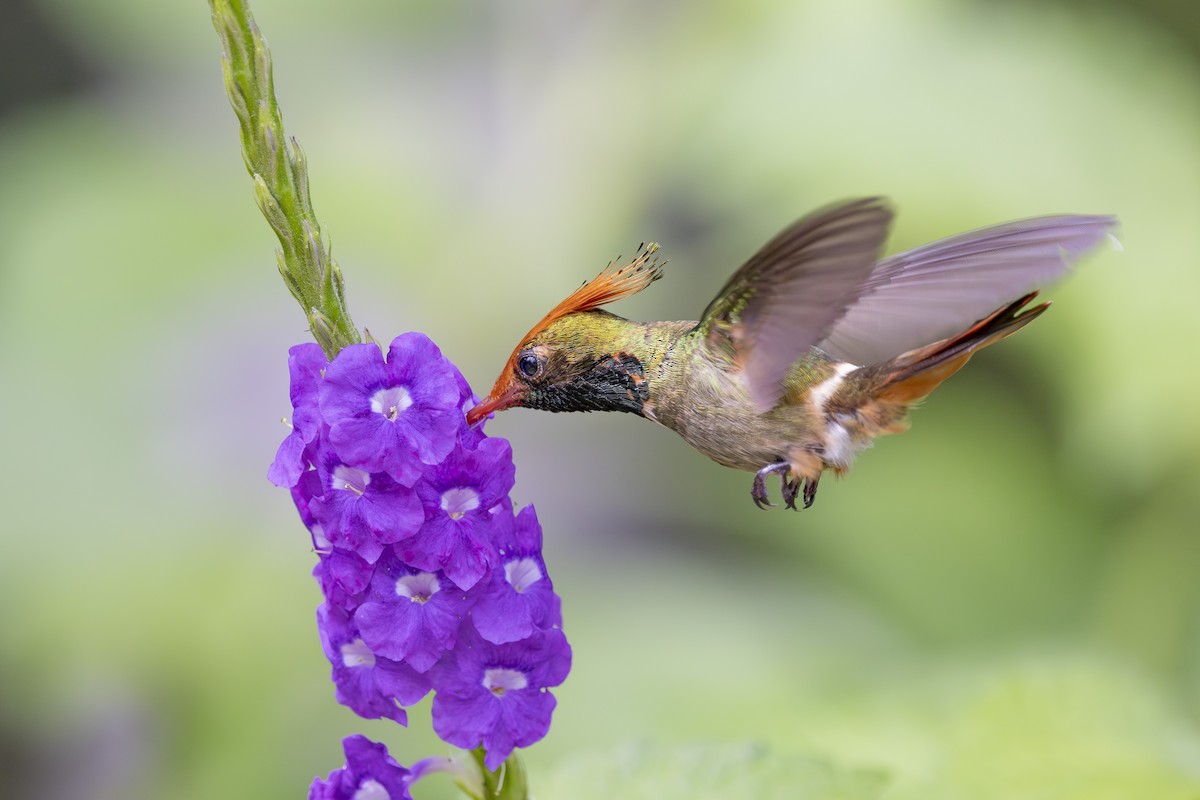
point(1002, 603)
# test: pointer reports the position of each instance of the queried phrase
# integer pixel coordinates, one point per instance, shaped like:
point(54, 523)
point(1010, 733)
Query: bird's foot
point(790, 490)
point(758, 491)
point(810, 490)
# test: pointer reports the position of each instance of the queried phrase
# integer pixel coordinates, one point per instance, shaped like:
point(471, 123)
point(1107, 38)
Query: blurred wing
point(924, 295)
point(786, 297)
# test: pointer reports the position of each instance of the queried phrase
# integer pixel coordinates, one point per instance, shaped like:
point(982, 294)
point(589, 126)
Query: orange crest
point(610, 285)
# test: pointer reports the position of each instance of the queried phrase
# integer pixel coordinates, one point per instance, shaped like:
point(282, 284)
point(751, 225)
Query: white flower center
point(523, 573)
point(320, 540)
point(391, 401)
point(499, 680)
point(357, 654)
point(418, 588)
point(457, 502)
point(350, 479)
point(371, 789)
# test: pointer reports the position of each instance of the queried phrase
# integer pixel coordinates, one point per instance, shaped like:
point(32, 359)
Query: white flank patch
point(838, 447)
point(824, 390)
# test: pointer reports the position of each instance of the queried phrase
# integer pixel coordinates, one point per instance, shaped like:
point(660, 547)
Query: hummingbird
point(814, 346)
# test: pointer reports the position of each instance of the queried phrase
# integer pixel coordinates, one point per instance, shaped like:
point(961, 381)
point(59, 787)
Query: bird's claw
point(758, 491)
point(810, 491)
point(791, 488)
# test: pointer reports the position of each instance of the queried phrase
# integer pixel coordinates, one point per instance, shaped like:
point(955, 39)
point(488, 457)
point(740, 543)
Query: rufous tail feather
point(890, 389)
point(911, 376)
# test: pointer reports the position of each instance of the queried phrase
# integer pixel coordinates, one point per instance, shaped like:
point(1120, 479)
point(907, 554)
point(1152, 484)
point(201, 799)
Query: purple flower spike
point(369, 685)
point(305, 364)
point(519, 597)
point(370, 774)
point(412, 615)
point(396, 416)
point(415, 533)
point(361, 511)
point(495, 695)
point(459, 495)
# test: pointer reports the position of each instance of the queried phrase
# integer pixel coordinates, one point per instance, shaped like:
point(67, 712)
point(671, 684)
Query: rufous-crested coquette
point(813, 347)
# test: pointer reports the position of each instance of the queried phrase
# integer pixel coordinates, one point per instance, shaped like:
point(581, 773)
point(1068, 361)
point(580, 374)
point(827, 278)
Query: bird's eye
point(528, 364)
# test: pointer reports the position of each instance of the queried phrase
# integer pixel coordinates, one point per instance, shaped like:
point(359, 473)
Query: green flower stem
point(473, 779)
point(507, 783)
point(280, 173)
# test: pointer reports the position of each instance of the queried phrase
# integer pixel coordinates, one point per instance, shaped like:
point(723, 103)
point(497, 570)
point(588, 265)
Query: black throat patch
point(614, 383)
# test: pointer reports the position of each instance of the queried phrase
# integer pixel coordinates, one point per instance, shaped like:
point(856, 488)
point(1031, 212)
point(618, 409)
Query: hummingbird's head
point(571, 360)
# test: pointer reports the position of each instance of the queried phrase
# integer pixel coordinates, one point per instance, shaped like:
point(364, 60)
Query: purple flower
point(370, 685)
point(459, 495)
point(369, 774)
point(306, 489)
point(392, 417)
point(468, 436)
point(344, 577)
point(362, 511)
point(519, 597)
point(305, 364)
point(495, 695)
point(412, 615)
